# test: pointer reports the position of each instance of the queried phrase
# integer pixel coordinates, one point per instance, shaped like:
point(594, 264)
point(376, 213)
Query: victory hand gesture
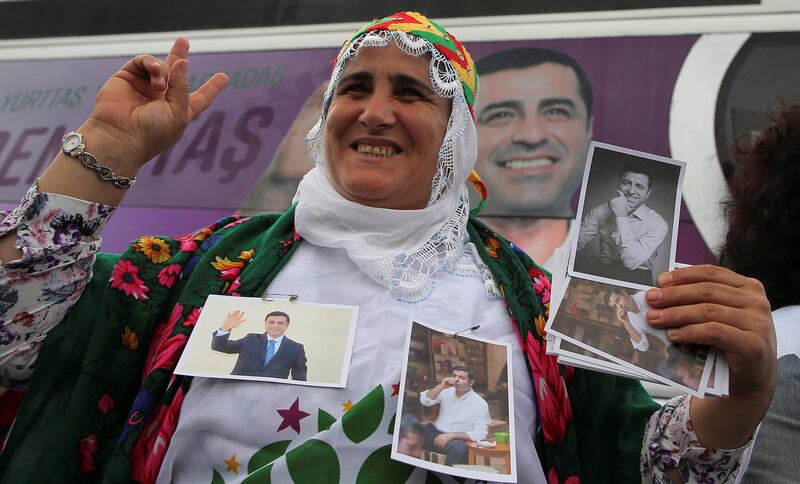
point(147, 105)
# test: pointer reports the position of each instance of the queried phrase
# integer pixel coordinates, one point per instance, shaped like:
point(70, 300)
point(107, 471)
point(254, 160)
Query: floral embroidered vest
point(104, 403)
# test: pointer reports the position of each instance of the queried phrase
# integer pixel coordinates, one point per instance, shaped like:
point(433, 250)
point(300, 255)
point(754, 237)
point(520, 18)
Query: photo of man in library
point(456, 391)
point(611, 319)
point(630, 311)
point(463, 416)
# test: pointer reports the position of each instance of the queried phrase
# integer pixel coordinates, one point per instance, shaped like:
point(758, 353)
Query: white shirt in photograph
point(640, 324)
point(469, 413)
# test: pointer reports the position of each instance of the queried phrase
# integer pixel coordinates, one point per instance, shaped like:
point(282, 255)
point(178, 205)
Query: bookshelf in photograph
point(585, 316)
point(432, 356)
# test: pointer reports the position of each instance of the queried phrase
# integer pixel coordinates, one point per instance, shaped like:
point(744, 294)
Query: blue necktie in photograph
point(270, 351)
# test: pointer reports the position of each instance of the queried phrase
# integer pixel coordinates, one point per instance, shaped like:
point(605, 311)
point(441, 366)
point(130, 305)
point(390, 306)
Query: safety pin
point(470, 329)
point(271, 297)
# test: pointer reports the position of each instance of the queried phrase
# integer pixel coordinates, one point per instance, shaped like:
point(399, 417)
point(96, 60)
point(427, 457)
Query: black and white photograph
point(454, 407)
point(610, 321)
point(629, 212)
point(574, 355)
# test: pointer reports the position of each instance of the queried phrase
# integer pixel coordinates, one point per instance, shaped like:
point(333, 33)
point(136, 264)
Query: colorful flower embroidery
point(8, 298)
point(149, 452)
point(492, 245)
point(237, 221)
point(229, 270)
point(551, 395)
point(106, 403)
point(540, 322)
point(23, 318)
point(163, 328)
point(169, 274)
point(287, 244)
point(166, 347)
point(87, 448)
point(191, 319)
point(125, 278)
point(129, 339)
point(156, 250)
point(479, 187)
point(541, 284)
point(203, 234)
point(187, 243)
point(552, 478)
point(230, 290)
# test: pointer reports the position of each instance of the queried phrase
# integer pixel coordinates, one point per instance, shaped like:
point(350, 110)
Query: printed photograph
point(279, 340)
point(572, 354)
point(629, 214)
point(610, 321)
point(455, 414)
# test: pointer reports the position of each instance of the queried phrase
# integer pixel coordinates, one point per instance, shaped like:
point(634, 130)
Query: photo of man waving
point(268, 354)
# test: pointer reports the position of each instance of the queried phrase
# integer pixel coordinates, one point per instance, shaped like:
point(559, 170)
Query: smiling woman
point(384, 129)
point(382, 223)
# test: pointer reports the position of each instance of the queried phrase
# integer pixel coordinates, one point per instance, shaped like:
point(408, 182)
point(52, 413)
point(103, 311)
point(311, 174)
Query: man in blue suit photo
point(269, 354)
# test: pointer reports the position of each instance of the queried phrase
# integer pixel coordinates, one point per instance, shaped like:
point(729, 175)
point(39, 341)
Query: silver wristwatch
point(73, 145)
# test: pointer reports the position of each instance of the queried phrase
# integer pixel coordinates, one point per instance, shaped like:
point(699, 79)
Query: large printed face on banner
point(275, 188)
point(533, 132)
point(247, 151)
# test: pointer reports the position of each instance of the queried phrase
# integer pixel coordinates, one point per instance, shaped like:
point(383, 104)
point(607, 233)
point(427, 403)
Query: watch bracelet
point(103, 172)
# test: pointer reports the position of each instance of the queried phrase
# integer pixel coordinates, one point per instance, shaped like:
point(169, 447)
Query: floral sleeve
point(58, 237)
point(671, 448)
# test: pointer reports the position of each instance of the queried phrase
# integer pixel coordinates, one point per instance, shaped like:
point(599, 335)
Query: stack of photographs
point(629, 215)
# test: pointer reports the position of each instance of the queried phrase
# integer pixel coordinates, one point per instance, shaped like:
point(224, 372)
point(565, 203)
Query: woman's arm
point(58, 237)
point(48, 243)
point(139, 112)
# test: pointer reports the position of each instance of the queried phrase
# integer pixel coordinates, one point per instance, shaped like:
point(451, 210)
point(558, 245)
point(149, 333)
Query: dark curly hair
point(763, 239)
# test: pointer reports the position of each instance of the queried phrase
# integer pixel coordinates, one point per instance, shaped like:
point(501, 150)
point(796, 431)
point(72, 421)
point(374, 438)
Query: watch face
point(72, 141)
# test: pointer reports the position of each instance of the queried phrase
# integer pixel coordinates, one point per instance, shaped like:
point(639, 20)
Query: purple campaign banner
point(225, 151)
point(632, 79)
point(221, 153)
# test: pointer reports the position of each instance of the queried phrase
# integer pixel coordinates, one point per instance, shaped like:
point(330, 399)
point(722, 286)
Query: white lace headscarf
point(403, 250)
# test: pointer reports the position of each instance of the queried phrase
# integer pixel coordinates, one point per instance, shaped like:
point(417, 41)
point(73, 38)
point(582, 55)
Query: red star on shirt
point(395, 389)
point(292, 416)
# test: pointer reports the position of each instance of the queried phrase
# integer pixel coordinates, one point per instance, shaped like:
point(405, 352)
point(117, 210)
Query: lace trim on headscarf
point(445, 82)
point(411, 275)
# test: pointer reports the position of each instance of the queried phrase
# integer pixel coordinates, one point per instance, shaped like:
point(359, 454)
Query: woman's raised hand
point(147, 105)
point(142, 110)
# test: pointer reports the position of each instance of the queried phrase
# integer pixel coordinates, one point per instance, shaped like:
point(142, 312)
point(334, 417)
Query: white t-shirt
point(224, 418)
